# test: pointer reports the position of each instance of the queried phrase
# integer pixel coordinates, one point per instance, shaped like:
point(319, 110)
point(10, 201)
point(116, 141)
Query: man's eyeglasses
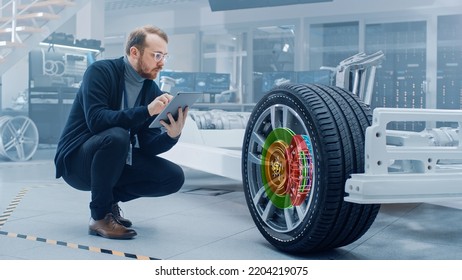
point(158, 56)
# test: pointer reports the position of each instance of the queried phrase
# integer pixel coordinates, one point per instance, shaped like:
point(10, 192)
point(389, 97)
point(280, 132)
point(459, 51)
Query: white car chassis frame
point(400, 166)
point(403, 166)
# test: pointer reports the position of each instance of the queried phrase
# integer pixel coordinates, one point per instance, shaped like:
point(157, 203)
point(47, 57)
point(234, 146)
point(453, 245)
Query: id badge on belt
point(129, 159)
point(129, 155)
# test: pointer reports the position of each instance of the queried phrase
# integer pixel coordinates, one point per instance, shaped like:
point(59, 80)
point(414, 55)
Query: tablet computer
point(181, 99)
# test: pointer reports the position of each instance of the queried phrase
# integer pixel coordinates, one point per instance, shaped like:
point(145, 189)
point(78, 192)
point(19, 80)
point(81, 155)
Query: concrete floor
point(45, 219)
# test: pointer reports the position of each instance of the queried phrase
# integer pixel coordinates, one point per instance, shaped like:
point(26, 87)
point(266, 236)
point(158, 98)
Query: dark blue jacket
point(97, 107)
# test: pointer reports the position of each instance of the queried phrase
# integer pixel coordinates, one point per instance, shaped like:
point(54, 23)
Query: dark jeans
point(99, 166)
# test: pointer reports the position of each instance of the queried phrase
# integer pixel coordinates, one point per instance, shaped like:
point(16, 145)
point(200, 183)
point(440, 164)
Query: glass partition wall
point(263, 55)
point(330, 43)
point(225, 53)
point(273, 52)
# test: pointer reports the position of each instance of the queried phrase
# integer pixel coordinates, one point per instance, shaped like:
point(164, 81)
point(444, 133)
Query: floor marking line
point(77, 246)
point(15, 202)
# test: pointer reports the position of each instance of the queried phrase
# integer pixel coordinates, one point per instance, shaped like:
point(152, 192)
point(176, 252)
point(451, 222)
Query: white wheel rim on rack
point(18, 138)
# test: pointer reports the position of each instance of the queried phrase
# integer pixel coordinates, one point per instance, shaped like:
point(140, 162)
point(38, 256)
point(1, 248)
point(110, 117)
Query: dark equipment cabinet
point(49, 108)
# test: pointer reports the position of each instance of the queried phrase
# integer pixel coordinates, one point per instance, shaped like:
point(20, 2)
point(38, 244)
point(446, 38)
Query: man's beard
point(152, 74)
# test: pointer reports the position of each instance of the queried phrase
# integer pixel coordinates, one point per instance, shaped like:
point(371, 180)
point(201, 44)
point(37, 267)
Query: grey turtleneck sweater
point(133, 84)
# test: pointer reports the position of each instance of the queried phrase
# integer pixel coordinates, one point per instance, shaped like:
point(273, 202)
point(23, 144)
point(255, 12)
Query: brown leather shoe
point(116, 212)
point(109, 227)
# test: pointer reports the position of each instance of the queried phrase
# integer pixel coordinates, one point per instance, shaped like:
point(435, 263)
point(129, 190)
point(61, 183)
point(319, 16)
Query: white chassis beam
point(212, 151)
point(424, 178)
point(213, 160)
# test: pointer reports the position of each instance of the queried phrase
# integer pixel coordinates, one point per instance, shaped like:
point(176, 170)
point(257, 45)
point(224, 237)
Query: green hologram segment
point(278, 134)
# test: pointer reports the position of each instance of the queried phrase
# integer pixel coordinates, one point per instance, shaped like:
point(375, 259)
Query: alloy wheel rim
point(280, 168)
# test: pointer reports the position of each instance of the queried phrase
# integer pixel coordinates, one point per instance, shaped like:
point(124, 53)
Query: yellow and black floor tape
point(14, 203)
point(76, 246)
point(7, 213)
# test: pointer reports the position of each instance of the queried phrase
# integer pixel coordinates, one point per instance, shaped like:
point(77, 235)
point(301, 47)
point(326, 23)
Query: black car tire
point(294, 189)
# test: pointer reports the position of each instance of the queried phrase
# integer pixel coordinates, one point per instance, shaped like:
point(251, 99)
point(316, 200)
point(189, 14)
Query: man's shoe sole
point(96, 233)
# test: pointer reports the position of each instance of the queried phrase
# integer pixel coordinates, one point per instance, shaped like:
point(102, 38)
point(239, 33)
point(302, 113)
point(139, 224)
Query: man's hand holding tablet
point(173, 111)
